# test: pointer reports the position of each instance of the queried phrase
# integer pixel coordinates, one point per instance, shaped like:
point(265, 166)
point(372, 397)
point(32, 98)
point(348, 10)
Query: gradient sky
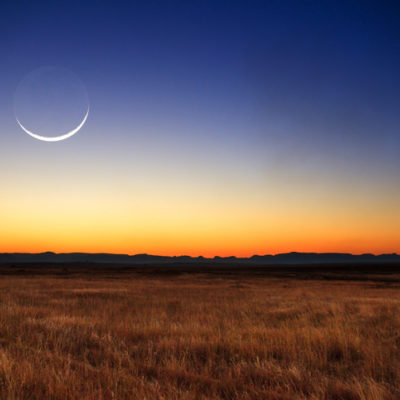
point(215, 128)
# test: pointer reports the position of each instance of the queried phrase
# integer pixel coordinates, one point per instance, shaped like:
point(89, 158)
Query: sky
point(215, 127)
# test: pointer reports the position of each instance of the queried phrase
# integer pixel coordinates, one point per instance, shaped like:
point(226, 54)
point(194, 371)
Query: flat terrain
point(94, 332)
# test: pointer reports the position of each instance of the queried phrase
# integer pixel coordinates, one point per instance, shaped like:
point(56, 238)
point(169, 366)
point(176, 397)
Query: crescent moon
point(55, 138)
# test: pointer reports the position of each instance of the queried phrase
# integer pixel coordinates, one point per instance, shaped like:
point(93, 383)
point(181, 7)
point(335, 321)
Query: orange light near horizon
point(73, 215)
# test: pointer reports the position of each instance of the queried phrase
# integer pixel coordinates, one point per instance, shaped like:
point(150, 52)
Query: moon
point(55, 138)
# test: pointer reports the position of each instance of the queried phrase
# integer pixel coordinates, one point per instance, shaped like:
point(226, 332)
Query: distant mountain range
point(284, 258)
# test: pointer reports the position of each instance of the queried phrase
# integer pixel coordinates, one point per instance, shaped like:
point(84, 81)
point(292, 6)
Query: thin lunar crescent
point(56, 138)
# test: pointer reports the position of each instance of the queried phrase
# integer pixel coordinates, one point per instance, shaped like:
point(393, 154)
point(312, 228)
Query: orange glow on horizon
point(173, 220)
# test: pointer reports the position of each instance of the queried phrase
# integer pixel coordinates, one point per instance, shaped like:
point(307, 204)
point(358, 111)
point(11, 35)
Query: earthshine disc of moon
point(51, 104)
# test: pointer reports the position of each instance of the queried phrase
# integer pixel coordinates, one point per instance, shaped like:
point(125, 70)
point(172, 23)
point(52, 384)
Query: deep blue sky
point(309, 63)
point(268, 98)
point(326, 67)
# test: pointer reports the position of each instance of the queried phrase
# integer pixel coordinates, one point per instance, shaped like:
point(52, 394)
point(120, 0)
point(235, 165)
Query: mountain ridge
point(280, 258)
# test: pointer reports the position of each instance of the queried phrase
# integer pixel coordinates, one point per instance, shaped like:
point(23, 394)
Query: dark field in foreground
point(90, 332)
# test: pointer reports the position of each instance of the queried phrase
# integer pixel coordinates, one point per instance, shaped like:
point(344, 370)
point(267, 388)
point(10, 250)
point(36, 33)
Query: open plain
point(94, 332)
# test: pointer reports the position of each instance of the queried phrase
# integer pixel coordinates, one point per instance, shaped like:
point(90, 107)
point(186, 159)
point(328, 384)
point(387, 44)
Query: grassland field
point(199, 332)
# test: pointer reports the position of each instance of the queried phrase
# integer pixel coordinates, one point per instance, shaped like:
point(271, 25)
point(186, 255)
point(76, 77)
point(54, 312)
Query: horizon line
point(201, 256)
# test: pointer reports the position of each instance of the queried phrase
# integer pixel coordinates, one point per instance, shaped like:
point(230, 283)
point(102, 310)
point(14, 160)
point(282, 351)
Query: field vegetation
point(133, 335)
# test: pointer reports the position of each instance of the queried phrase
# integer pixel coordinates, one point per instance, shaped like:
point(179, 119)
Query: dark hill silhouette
point(284, 258)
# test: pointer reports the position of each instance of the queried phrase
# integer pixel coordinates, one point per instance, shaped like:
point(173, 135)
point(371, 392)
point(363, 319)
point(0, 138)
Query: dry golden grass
point(197, 337)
